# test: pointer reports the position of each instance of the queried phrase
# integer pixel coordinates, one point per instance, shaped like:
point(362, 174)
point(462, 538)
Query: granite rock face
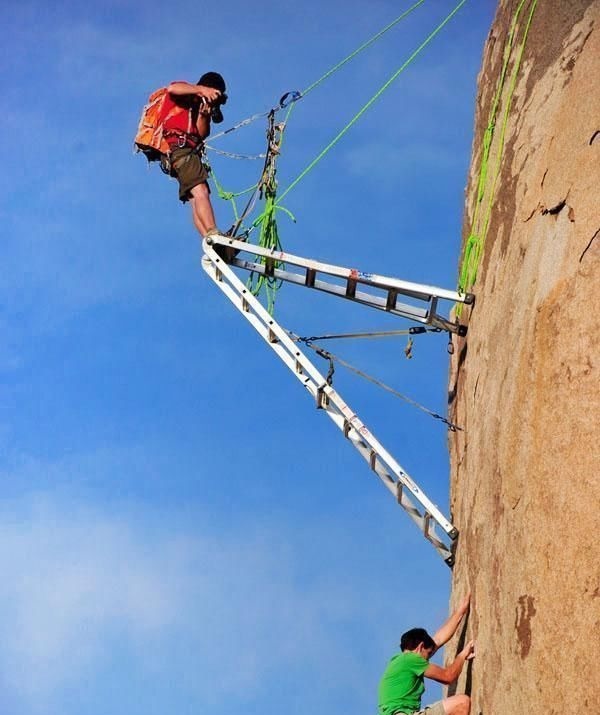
point(525, 382)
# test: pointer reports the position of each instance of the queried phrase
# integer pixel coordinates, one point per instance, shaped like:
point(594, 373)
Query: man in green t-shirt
point(402, 685)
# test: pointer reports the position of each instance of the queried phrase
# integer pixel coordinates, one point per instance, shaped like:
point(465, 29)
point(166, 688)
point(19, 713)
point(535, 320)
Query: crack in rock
point(587, 248)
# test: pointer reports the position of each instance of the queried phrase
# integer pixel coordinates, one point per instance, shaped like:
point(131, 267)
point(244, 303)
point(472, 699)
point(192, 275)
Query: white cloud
point(81, 584)
point(69, 575)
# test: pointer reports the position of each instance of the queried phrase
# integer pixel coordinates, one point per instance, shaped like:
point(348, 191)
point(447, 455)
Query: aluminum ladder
point(376, 291)
point(408, 494)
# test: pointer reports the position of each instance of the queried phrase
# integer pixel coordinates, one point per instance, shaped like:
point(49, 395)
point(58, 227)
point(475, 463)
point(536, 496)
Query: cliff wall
point(524, 383)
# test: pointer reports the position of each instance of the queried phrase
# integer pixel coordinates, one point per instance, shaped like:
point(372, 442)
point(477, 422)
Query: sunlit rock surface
point(525, 383)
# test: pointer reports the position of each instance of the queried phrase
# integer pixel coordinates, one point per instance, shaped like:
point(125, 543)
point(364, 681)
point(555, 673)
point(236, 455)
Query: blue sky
point(181, 531)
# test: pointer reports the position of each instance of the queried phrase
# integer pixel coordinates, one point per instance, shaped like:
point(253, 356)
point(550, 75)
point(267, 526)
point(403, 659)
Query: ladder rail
point(381, 292)
point(381, 462)
point(402, 309)
point(374, 279)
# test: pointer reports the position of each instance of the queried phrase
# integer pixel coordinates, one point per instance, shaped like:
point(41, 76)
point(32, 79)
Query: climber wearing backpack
point(184, 132)
point(174, 125)
point(402, 686)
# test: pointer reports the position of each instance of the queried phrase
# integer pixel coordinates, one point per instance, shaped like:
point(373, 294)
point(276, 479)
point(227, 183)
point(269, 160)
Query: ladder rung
point(390, 303)
point(372, 459)
point(269, 267)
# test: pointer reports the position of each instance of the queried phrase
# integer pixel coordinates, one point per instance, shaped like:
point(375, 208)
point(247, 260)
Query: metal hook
point(289, 98)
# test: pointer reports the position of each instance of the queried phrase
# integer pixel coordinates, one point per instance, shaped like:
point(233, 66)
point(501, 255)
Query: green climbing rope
point(230, 196)
point(486, 189)
point(364, 46)
point(317, 82)
point(373, 99)
point(268, 238)
point(266, 187)
point(267, 220)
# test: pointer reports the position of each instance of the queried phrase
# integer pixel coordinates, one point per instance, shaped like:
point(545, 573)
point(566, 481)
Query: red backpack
point(149, 138)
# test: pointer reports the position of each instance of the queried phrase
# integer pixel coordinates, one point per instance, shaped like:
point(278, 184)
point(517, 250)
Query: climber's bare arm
point(450, 673)
point(182, 88)
point(445, 632)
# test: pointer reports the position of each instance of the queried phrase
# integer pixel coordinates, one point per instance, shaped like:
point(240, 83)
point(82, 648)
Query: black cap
point(213, 80)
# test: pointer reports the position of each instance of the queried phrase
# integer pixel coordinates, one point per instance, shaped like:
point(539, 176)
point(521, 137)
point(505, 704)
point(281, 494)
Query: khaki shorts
point(188, 169)
point(433, 709)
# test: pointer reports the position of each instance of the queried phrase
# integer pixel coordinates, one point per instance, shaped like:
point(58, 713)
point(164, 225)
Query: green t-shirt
point(402, 684)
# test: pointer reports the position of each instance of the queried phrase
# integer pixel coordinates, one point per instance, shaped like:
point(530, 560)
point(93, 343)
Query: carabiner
point(289, 97)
